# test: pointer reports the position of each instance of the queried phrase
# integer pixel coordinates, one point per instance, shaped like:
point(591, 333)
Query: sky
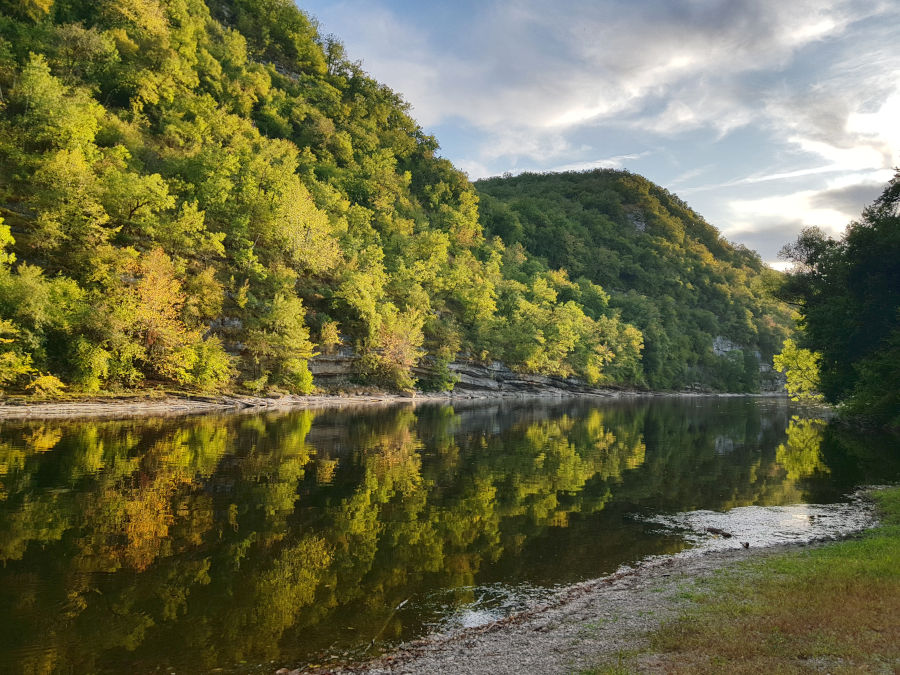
point(765, 116)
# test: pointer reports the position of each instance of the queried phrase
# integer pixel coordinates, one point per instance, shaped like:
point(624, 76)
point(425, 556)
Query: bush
point(329, 336)
point(90, 365)
point(296, 376)
point(46, 386)
point(12, 367)
point(212, 367)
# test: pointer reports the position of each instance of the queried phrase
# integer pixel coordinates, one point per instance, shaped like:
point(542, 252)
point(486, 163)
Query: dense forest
point(847, 293)
point(204, 194)
point(663, 267)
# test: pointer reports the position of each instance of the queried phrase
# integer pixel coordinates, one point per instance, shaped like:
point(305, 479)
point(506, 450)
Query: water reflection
point(223, 540)
point(801, 454)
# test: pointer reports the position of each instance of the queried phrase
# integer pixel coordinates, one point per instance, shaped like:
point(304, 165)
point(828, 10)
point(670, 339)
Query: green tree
point(194, 183)
point(801, 368)
point(846, 294)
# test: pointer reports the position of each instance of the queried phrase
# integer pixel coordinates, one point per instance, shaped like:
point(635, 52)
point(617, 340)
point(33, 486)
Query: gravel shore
point(147, 406)
point(583, 626)
point(186, 405)
point(165, 406)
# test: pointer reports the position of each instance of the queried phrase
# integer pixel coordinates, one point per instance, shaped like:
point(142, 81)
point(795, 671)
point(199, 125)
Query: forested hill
point(666, 269)
point(204, 194)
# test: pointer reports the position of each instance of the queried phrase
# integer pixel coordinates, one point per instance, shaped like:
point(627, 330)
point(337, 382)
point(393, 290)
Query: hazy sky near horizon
point(764, 115)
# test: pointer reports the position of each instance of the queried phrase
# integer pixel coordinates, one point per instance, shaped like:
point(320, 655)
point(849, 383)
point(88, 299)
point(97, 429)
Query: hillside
point(666, 270)
point(205, 194)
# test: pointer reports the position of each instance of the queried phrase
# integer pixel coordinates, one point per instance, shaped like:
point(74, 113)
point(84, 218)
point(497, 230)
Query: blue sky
point(765, 116)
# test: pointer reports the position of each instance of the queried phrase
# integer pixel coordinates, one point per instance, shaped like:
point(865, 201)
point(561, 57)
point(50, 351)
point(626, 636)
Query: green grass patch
point(833, 609)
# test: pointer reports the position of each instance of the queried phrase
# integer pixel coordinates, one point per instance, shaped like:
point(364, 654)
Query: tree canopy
point(847, 292)
point(663, 269)
point(204, 194)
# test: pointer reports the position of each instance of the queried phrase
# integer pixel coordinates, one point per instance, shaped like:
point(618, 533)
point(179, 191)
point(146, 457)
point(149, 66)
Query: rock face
point(722, 345)
point(333, 369)
point(340, 368)
point(497, 378)
point(476, 380)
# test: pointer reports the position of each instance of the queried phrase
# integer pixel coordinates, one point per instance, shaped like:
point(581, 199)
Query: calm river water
point(251, 542)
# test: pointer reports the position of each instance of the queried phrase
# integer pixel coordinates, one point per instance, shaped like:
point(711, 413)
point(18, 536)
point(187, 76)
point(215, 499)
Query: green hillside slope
point(665, 268)
point(204, 194)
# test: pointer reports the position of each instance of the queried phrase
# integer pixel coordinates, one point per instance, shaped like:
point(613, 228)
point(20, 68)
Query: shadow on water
point(247, 541)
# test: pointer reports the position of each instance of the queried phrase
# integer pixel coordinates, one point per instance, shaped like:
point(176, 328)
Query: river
point(247, 542)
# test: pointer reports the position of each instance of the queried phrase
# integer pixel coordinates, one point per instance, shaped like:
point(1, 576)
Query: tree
point(188, 180)
point(846, 293)
point(395, 346)
point(801, 368)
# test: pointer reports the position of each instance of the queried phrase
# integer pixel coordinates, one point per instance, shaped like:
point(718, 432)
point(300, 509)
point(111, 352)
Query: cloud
point(474, 170)
point(514, 142)
point(594, 61)
point(767, 177)
point(616, 162)
point(848, 199)
point(790, 107)
point(768, 237)
point(753, 214)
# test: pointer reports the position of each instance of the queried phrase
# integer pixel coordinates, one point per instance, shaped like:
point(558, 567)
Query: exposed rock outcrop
point(497, 378)
point(494, 379)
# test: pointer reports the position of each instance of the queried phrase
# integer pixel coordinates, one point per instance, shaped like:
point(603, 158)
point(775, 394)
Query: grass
point(832, 609)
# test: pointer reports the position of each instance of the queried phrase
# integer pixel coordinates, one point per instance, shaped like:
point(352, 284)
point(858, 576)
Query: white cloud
point(769, 177)
point(880, 129)
point(832, 207)
point(812, 81)
point(474, 170)
point(794, 207)
point(522, 64)
point(616, 162)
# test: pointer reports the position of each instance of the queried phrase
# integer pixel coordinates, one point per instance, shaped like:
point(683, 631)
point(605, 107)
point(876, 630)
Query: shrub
point(329, 336)
point(46, 386)
point(212, 367)
point(296, 376)
point(90, 365)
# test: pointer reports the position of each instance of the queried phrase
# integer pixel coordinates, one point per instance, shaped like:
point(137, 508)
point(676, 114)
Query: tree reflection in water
point(208, 541)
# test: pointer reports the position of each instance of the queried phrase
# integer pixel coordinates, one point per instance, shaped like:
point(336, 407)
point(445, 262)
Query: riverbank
point(334, 375)
point(164, 405)
point(167, 405)
point(784, 608)
point(833, 609)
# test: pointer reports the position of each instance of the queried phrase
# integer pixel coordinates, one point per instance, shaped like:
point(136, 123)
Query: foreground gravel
point(583, 626)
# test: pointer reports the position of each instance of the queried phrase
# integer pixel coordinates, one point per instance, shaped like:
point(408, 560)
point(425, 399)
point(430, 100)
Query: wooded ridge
point(205, 194)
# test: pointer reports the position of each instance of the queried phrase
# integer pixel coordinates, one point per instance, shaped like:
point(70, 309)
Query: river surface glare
point(250, 542)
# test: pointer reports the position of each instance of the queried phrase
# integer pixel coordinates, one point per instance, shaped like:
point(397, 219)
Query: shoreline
point(594, 622)
point(583, 625)
point(174, 406)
